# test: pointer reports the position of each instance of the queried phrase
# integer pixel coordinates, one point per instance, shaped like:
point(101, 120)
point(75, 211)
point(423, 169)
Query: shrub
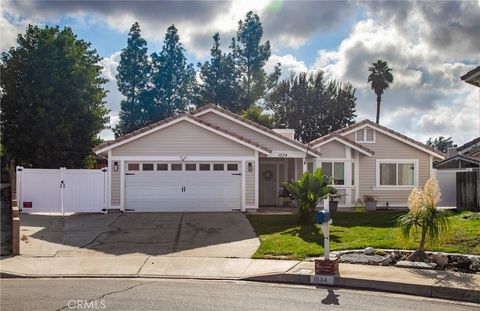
point(308, 191)
point(424, 217)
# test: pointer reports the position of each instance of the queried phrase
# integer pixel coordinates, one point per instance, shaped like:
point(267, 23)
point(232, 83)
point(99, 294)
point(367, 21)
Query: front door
point(268, 184)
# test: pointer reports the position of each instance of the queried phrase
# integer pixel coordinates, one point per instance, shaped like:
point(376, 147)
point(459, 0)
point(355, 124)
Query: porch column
point(348, 174)
point(257, 185)
point(305, 167)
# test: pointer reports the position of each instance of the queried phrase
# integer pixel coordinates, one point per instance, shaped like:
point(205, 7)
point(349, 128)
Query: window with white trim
point(391, 173)
point(365, 135)
point(336, 170)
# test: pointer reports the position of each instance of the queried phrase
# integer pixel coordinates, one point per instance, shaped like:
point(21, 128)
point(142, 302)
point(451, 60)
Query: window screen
point(406, 174)
point(338, 174)
point(360, 135)
point(388, 172)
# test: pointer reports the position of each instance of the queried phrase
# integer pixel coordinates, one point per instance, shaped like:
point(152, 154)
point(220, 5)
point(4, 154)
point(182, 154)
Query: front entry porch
point(273, 172)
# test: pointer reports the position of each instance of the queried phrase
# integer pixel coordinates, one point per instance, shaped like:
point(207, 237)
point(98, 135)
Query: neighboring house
point(210, 160)
point(370, 159)
point(463, 157)
point(472, 77)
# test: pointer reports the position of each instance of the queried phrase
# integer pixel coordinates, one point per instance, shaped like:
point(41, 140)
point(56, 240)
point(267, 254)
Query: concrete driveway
point(165, 234)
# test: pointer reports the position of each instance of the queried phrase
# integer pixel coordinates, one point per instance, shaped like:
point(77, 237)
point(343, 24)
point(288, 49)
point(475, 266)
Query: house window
point(147, 166)
point(396, 173)
point(310, 167)
point(191, 167)
point(365, 135)
point(336, 170)
point(176, 166)
point(133, 166)
point(162, 167)
point(232, 167)
point(204, 166)
point(218, 167)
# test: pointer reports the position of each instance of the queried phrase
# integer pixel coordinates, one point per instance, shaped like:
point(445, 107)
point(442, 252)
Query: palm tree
point(380, 79)
point(424, 217)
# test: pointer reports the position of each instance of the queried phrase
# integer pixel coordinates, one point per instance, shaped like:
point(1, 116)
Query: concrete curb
point(452, 293)
point(432, 291)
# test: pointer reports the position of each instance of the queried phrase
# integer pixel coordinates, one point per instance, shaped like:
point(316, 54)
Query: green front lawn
point(282, 236)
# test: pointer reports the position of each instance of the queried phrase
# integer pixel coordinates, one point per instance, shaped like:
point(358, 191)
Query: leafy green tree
point(132, 79)
point(173, 79)
point(250, 57)
point(52, 99)
point(308, 191)
point(220, 79)
point(312, 106)
point(440, 143)
point(257, 114)
point(424, 217)
point(380, 79)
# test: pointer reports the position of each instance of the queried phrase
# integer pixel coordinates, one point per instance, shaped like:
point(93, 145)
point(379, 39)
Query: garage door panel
point(174, 191)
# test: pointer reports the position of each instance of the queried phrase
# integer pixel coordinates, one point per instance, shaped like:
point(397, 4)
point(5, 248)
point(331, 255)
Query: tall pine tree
point(250, 57)
point(173, 78)
point(219, 79)
point(132, 79)
point(311, 105)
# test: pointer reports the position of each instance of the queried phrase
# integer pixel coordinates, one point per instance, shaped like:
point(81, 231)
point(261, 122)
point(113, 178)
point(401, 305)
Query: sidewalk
point(429, 283)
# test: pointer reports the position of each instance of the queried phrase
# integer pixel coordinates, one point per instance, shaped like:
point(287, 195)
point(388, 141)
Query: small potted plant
point(284, 198)
point(370, 203)
point(334, 197)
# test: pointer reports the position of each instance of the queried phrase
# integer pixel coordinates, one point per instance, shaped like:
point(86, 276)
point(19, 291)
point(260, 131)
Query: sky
point(429, 45)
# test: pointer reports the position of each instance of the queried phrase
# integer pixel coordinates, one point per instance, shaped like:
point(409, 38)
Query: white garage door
point(185, 187)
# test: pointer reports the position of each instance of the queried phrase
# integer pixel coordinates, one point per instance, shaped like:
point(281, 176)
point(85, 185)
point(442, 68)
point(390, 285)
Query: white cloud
point(288, 64)
point(427, 97)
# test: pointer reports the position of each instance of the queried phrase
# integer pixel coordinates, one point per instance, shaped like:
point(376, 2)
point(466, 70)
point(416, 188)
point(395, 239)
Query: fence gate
point(468, 191)
point(61, 190)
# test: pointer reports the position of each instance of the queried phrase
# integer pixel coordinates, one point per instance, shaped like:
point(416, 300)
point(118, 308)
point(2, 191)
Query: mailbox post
point(325, 267)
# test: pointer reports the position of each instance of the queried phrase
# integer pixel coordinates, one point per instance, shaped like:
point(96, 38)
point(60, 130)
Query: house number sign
point(283, 155)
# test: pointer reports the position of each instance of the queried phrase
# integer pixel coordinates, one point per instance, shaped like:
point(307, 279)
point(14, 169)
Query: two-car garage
point(183, 186)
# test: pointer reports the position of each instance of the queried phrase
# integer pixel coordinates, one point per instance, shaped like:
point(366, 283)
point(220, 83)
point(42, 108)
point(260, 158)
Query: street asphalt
point(167, 294)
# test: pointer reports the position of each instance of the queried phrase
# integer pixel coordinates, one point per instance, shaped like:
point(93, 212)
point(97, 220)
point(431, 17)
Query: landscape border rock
point(439, 260)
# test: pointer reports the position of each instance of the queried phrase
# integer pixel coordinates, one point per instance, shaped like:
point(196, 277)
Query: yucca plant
point(308, 191)
point(424, 217)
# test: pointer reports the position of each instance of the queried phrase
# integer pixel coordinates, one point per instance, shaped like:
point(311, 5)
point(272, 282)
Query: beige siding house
point(369, 159)
point(209, 160)
point(214, 160)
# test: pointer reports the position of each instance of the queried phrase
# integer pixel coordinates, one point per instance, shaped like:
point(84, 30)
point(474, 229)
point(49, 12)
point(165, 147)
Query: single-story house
point(369, 159)
point(464, 157)
point(215, 160)
point(472, 77)
point(209, 160)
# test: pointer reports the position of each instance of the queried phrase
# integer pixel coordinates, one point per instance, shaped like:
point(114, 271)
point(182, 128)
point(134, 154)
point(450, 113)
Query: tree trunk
point(419, 254)
point(422, 240)
point(379, 99)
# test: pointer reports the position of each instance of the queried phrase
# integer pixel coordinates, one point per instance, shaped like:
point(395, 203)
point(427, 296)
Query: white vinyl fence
point(61, 190)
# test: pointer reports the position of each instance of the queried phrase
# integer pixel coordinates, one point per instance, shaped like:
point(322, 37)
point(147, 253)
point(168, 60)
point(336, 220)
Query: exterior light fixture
point(250, 166)
point(115, 166)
